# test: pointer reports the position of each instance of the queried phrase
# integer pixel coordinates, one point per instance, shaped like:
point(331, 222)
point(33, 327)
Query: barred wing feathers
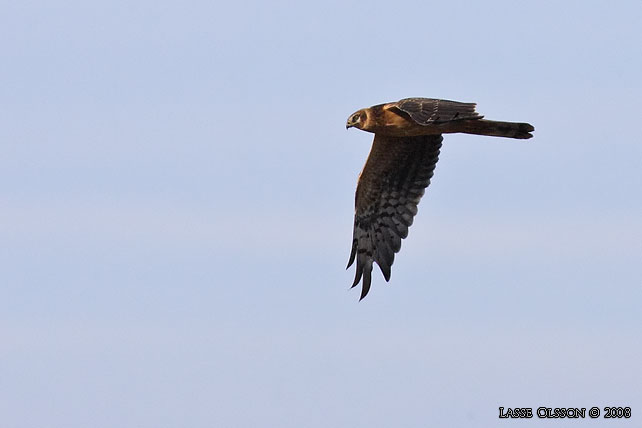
point(427, 111)
point(392, 182)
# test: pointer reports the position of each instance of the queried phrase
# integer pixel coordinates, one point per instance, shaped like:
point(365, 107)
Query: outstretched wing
point(429, 111)
point(390, 186)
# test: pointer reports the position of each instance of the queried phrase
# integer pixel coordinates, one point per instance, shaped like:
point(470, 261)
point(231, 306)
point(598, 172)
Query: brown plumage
point(399, 168)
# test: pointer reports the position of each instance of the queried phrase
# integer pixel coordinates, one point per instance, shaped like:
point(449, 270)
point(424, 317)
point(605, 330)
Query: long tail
point(499, 129)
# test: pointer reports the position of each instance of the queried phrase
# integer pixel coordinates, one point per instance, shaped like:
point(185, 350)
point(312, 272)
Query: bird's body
point(399, 168)
point(412, 117)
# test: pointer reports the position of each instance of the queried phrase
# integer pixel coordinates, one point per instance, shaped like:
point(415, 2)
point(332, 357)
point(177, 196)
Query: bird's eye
point(356, 118)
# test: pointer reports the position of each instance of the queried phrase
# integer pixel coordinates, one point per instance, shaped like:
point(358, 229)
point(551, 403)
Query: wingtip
point(357, 277)
point(353, 253)
point(385, 270)
point(364, 291)
point(367, 280)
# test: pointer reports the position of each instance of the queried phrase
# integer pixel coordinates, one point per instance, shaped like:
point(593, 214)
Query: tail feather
point(499, 129)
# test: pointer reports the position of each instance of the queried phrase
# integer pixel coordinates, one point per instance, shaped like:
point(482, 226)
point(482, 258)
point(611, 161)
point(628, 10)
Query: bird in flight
point(405, 150)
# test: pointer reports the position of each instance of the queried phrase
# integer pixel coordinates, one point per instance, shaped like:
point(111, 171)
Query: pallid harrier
point(399, 167)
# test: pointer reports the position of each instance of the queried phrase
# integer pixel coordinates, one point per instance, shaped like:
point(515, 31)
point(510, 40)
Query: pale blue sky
point(176, 202)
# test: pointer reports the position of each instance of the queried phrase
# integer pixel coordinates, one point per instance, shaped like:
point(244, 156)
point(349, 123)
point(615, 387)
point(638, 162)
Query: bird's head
point(357, 119)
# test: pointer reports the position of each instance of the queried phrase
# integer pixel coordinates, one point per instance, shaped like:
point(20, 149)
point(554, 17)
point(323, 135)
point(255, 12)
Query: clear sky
point(176, 208)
